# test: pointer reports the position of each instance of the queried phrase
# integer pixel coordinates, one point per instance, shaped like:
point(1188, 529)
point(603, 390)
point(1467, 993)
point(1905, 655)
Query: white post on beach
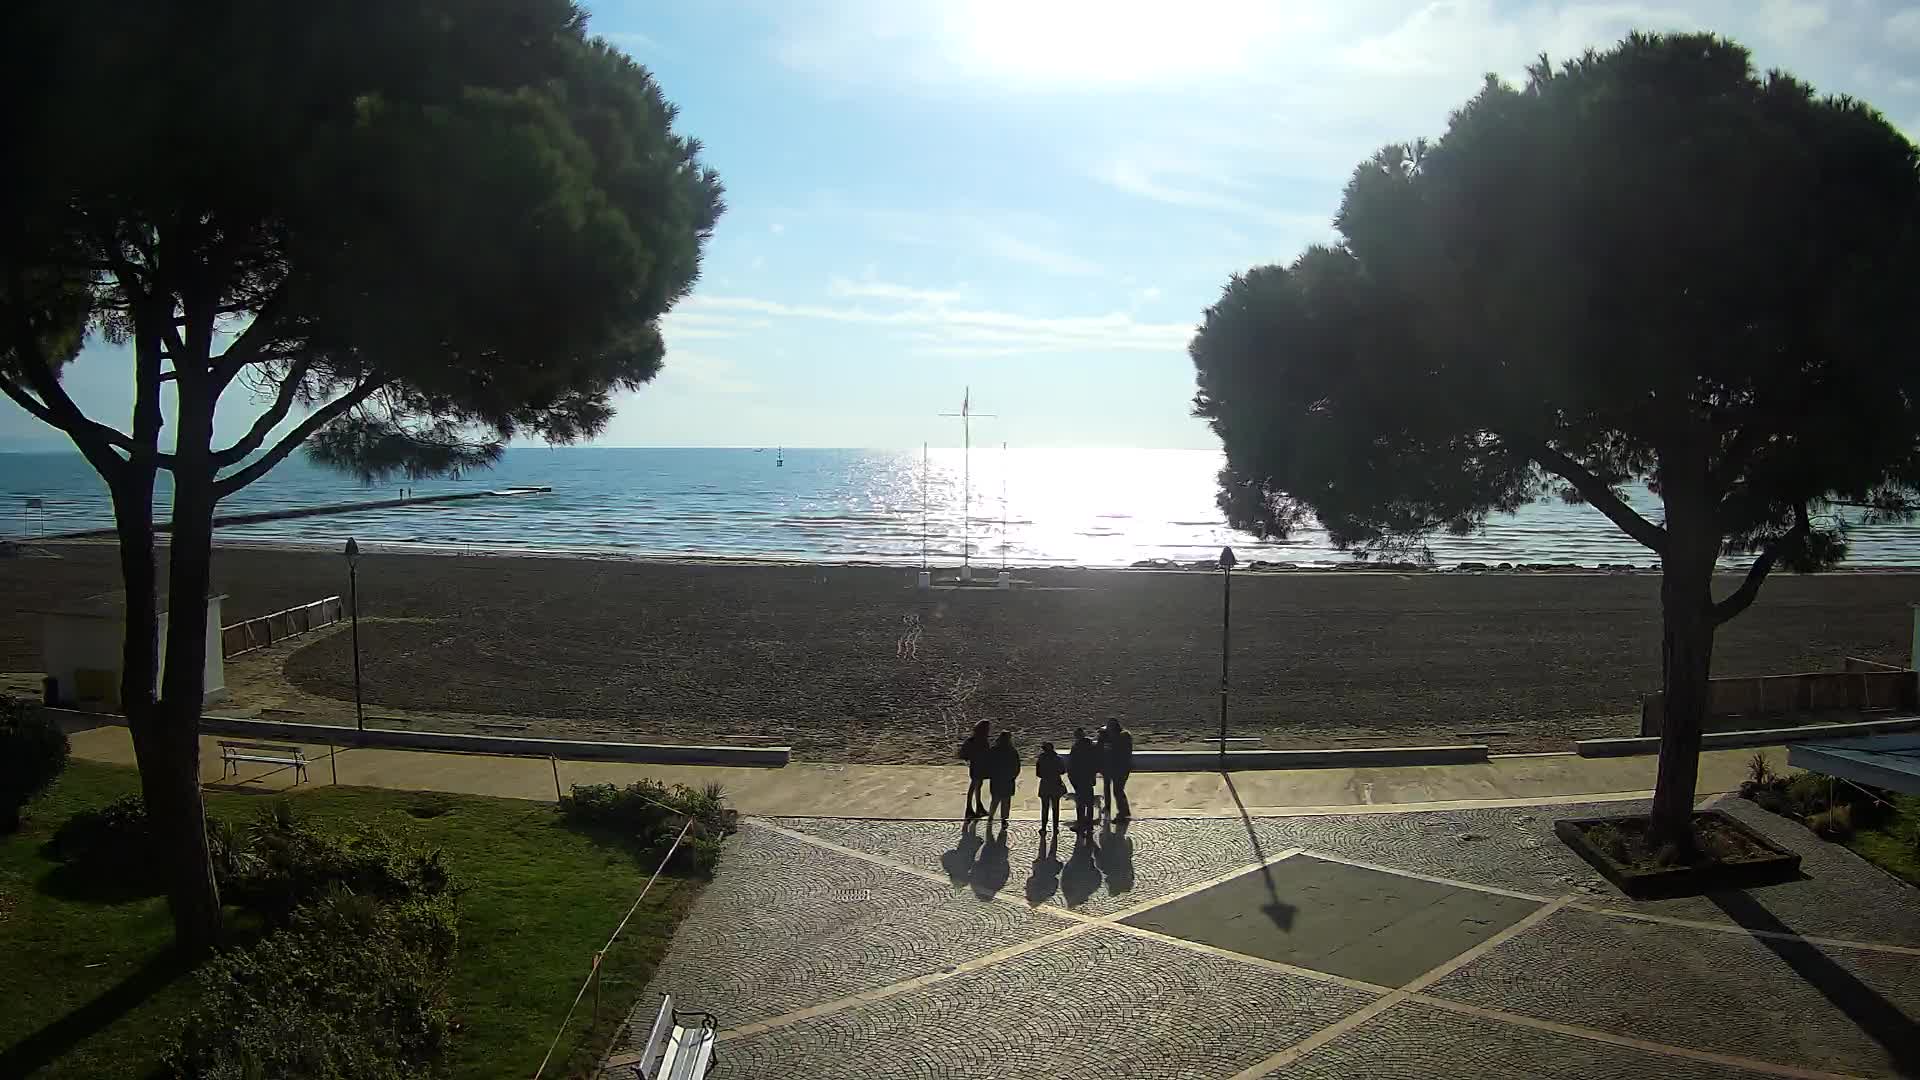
point(966, 415)
point(925, 580)
point(1006, 576)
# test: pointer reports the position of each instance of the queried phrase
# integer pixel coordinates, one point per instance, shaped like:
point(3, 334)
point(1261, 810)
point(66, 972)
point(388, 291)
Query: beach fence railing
point(244, 637)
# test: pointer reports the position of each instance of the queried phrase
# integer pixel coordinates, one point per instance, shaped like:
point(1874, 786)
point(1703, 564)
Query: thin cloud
point(1015, 249)
point(1115, 331)
point(885, 290)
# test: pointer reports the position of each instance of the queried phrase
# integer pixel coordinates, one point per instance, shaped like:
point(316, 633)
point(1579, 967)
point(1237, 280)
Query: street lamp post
point(1226, 640)
point(353, 602)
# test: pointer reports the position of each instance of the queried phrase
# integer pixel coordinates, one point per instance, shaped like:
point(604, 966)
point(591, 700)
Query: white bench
point(233, 753)
point(676, 1051)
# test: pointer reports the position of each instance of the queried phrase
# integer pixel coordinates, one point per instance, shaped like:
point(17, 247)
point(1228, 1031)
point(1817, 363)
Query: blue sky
point(1038, 198)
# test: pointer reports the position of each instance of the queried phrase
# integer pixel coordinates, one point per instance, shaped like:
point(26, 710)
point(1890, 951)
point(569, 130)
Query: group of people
point(993, 762)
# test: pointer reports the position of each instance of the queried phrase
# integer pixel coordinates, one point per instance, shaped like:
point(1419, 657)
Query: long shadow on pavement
point(1279, 911)
point(1878, 1018)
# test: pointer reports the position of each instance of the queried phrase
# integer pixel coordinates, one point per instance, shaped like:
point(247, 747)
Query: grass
point(1890, 845)
point(91, 992)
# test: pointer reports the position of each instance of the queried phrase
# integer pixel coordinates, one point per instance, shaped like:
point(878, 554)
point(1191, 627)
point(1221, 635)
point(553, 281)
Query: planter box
point(1645, 884)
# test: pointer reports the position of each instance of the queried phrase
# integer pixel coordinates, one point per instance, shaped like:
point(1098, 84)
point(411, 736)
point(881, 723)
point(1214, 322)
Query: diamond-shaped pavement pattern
point(1413, 1041)
point(786, 925)
point(1790, 1002)
point(921, 949)
point(1362, 924)
point(1099, 1005)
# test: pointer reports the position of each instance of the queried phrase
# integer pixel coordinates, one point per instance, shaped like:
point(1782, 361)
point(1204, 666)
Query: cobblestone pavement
point(919, 949)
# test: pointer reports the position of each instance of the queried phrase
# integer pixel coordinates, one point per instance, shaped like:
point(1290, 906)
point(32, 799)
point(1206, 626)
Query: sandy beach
point(855, 665)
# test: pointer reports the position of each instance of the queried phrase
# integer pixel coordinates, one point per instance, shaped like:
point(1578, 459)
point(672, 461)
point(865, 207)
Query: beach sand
point(856, 665)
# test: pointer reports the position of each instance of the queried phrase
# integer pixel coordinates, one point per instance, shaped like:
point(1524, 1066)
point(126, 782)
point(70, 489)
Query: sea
point(1020, 507)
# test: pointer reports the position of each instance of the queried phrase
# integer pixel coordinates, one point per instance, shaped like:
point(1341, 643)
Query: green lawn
point(90, 993)
point(1891, 845)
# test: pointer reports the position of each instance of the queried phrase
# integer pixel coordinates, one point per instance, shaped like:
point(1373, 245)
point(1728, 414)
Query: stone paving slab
point(1841, 896)
point(1413, 1041)
point(1362, 924)
point(1846, 1010)
point(786, 925)
point(1150, 859)
point(1100, 1005)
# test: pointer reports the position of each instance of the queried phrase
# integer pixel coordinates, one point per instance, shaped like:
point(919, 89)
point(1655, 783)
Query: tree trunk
point(180, 833)
point(1686, 650)
point(1687, 663)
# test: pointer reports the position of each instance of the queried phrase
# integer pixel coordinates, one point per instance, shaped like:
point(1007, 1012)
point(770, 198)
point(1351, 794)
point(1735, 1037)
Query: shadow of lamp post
point(1226, 639)
point(353, 602)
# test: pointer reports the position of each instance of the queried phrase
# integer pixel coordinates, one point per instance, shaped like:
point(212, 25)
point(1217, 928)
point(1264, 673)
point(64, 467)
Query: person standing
point(1083, 766)
point(1049, 768)
point(1003, 772)
point(1116, 743)
point(973, 751)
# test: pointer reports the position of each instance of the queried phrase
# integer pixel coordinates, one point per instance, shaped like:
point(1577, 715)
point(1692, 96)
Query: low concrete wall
point(445, 741)
point(1725, 740)
point(1209, 760)
point(1858, 687)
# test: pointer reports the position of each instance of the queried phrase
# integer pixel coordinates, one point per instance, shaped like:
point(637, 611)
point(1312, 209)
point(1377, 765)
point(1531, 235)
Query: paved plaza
point(1451, 943)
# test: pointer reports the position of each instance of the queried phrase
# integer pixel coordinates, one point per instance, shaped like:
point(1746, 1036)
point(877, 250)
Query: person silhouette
point(1116, 764)
point(1049, 768)
point(973, 751)
point(1083, 769)
point(1003, 772)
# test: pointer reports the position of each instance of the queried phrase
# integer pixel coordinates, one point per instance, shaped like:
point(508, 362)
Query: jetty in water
point(330, 508)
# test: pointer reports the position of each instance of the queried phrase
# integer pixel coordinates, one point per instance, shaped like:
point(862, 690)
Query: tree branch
point(318, 419)
point(1749, 590)
point(95, 440)
point(1733, 459)
point(283, 401)
point(1601, 496)
point(250, 346)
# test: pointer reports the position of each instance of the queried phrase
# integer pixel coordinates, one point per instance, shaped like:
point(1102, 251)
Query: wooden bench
point(676, 1050)
point(233, 753)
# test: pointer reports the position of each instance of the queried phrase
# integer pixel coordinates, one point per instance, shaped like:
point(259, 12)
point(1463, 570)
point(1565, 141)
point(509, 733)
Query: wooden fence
point(1864, 685)
point(244, 637)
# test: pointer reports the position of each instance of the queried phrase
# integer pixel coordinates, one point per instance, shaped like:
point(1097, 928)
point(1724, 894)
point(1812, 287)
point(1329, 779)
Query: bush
point(33, 751)
point(113, 836)
point(284, 864)
point(650, 815)
point(1835, 823)
point(352, 988)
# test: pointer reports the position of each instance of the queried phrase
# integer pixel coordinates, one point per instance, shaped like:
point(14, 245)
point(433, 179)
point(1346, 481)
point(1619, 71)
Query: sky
point(1037, 199)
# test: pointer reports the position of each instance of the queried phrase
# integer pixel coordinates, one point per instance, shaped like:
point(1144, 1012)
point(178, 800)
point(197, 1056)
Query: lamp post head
point(353, 553)
point(1227, 561)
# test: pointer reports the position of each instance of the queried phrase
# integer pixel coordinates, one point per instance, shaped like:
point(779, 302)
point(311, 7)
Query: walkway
point(922, 792)
point(1457, 943)
point(1417, 922)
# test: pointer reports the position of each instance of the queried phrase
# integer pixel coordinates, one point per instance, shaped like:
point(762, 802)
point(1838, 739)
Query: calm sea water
point(1030, 507)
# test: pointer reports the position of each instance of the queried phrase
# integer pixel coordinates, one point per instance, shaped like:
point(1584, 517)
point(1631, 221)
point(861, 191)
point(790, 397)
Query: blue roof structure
point(1882, 761)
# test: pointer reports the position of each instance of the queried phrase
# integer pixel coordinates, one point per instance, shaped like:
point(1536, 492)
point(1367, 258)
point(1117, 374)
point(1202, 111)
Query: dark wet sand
point(686, 652)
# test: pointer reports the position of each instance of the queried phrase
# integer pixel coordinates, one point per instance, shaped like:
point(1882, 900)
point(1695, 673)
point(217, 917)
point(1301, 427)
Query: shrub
point(33, 751)
point(1835, 823)
point(649, 815)
point(1759, 770)
point(110, 836)
point(1807, 793)
point(352, 988)
point(287, 864)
